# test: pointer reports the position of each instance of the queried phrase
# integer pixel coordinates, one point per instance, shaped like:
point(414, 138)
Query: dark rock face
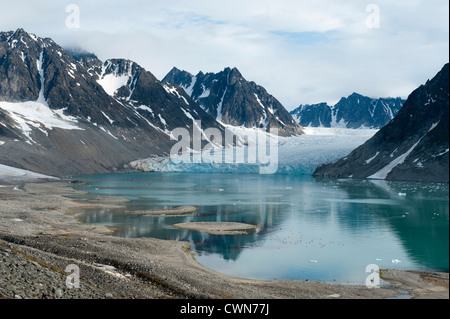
point(116, 111)
point(414, 146)
point(231, 99)
point(316, 115)
point(18, 71)
point(168, 107)
point(355, 111)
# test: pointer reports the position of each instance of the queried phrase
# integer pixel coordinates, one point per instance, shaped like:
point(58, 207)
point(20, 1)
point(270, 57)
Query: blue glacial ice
point(298, 155)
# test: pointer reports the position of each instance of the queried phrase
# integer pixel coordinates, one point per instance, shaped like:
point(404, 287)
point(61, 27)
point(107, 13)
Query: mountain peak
point(413, 146)
point(175, 70)
point(19, 32)
point(20, 35)
point(105, 114)
point(233, 71)
point(231, 99)
point(354, 111)
point(236, 73)
point(354, 94)
point(178, 76)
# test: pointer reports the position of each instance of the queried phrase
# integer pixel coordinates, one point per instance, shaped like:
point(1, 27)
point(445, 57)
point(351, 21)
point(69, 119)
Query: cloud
point(301, 51)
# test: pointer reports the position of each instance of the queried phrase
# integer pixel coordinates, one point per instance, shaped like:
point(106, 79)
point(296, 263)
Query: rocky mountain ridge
point(231, 99)
point(62, 114)
point(414, 146)
point(355, 111)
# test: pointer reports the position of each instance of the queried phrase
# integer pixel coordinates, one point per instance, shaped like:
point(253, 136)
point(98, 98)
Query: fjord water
point(326, 230)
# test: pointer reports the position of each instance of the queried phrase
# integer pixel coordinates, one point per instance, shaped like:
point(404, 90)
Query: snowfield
point(29, 115)
point(293, 155)
point(12, 174)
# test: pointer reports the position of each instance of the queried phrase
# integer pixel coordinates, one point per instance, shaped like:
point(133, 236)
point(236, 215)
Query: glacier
point(297, 155)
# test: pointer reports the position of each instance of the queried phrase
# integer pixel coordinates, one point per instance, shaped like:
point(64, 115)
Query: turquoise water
point(325, 230)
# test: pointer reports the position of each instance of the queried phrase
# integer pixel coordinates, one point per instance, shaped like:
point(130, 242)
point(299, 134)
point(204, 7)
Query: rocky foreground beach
point(44, 249)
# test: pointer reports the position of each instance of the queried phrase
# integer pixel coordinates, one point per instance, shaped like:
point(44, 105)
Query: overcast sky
point(301, 51)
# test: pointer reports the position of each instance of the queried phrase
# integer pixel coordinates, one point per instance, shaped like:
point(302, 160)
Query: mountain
point(315, 115)
point(414, 146)
point(64, 113)
point(231, 99)
point(163, 106)
point(355, 111)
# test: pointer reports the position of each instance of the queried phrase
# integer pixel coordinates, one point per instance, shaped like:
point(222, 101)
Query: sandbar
point(217, 228)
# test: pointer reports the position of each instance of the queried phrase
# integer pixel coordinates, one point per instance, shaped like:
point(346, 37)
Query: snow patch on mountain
point(29, 115)
point(33, 113)
point(172, 90)
point(190, 88)
point(111, 82)
point(40, 67)
point(385, 171)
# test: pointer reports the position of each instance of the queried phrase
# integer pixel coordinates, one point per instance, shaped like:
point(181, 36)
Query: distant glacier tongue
point(299, 155)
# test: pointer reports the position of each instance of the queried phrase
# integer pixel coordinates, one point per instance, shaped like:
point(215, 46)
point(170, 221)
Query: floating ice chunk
point(402, 194)
point(313, 261)
point(396, 261)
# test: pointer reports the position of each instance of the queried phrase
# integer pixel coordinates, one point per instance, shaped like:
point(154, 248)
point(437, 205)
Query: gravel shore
point(44, 250)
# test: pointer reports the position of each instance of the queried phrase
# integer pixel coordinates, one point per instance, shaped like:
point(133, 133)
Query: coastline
point(40, 236)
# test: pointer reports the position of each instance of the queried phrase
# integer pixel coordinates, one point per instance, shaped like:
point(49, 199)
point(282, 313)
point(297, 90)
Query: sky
point(301, 51)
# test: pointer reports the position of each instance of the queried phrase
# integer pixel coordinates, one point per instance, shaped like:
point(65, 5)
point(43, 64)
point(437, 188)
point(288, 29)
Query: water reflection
point(316, 229)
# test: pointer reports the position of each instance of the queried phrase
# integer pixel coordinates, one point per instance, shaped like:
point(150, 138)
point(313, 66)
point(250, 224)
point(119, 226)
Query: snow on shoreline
point(12, 174)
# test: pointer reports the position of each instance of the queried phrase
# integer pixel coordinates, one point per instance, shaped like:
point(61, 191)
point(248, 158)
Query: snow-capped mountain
point(233, 100)
point(314, 115)
point(355, 111)
point(163, 106)
point(414, 146)
point(64, 114)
